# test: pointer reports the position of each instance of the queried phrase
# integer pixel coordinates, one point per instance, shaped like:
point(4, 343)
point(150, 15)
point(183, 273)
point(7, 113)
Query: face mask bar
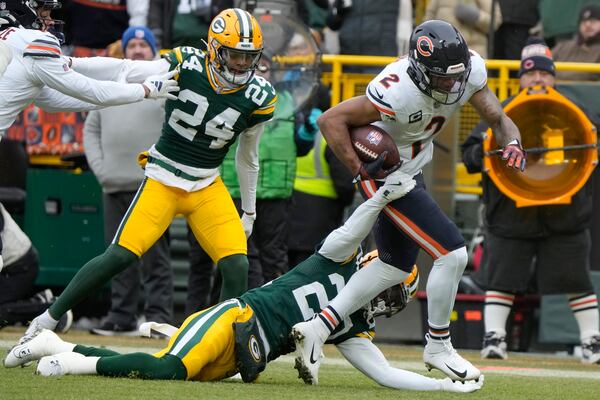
point(231, 58)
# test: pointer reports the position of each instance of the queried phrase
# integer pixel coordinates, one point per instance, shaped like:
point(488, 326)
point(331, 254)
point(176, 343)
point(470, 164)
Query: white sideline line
point(415, 366)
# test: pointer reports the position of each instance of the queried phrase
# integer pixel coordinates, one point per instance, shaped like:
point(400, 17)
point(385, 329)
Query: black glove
point(374, 169)
point(516, 156)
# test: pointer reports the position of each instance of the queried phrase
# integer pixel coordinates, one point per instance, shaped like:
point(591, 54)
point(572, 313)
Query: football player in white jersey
point(36, 70)
point(412, 99)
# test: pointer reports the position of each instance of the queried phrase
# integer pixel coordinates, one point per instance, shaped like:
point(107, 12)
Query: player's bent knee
point(170, 368)
point(120, 256)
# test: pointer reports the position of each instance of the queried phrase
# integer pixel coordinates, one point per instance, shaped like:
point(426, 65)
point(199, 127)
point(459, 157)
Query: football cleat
point(448, 385)
point(59, 364)
point(590, 350)
point(37, 325)
point(309, 349)
point(41, 345)
point(441, 355)
point(494, 346)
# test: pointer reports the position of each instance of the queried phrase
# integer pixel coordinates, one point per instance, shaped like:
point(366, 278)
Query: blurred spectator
point(471, 17)
point(560, 19)
point(518, 17)
point(371, 27)
point(551, 242)
point(18, 304)
point(584, 47)
point(112, 139)
point(183, 22)
point(94, 24)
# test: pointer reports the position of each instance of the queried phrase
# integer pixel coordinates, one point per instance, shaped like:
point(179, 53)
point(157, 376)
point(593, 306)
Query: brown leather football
point(369, 141)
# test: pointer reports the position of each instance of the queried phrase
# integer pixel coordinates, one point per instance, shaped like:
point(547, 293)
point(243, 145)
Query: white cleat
point(39, 346)
point(448, 385)
point(59, 364)
point(309, 349)
point(441, 355)
point(35, 327)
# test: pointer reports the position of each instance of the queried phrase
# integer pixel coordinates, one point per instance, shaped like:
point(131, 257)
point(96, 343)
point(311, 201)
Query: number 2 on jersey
point(317, 289)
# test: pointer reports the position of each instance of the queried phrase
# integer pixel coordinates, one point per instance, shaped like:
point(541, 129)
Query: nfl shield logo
point(374, 137)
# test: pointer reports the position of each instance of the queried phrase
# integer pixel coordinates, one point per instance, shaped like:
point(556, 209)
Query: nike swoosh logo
point(459, 374)
point(312, 356)
point(378, 94)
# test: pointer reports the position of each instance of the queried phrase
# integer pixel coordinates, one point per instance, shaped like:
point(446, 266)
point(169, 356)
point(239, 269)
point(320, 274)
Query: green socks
point(142, 365)
point(234, 274)
point(91, 277)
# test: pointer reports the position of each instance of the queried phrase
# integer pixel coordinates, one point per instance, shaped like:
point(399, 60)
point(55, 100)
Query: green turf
point(280, 382)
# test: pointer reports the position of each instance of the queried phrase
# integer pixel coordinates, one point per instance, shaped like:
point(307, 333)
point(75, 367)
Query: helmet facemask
point(394, 299)
point(445, 87)
point(235, 66)
point(44, 22)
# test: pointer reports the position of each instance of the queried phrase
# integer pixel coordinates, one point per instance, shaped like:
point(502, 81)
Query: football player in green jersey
point(243, 334)
point(220, 100)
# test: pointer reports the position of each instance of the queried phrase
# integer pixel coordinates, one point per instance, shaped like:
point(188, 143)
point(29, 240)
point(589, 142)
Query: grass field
point(520, 377)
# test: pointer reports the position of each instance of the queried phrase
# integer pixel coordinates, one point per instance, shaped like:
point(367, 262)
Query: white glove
point(397, 184)
point(5, 57)
point(461, 387)
point(161, 86)
point(248, 223)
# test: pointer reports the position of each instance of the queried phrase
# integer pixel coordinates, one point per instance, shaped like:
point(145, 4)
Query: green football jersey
point(300, 294)
point(204, 120)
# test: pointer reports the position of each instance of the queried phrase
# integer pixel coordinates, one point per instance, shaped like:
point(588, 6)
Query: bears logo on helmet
point(440, 61)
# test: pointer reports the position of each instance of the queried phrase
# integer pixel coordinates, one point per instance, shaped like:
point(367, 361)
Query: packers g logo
point(254, 349)
point(424, 46)
point(218, 25)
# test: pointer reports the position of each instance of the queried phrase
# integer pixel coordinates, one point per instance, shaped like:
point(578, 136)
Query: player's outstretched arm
point(118, 70)
point(246, 161)
point(369, 360)
point(343, 242)
point(506, 132)
point(335, 123)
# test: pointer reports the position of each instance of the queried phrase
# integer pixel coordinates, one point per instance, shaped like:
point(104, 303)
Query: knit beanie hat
point(591, 11)
point(536, 56)
point(139, 32)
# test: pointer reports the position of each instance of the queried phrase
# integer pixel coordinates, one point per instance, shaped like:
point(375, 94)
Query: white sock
point(585, 310)
point(47, 321)
point(365, 284)
point(496, 311)
point(60, 347)
point(442, 285)
point(78, 364)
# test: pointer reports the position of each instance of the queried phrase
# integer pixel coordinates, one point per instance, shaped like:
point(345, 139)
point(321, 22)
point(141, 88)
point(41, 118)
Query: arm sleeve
point(52, 100)
point(92, 144)
point(369, 360)
point(343, 242)
point(246, 161)
point(65, 80)
point(138, 12)
point(112, 69)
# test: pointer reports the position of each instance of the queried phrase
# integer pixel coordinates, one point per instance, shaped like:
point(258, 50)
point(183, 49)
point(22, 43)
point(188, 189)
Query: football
point(370, 141)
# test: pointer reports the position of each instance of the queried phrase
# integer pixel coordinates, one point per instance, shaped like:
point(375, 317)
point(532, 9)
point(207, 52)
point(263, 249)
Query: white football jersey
point(410, 116)
point(38, 73)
